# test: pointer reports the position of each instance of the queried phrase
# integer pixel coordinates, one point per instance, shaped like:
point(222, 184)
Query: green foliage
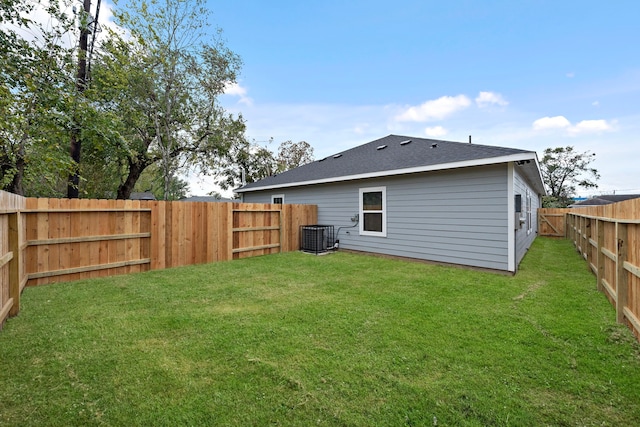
point(152, 180)
point(255, 162)
point(163, 83)
point(247, 160)
point(563, 169)
point(294, 154)
point(151, 99)
point(35, 100)
point(341, 339)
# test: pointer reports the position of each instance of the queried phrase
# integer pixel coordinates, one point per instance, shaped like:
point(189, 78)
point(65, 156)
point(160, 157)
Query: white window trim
point(276, 196)
point(383, 211)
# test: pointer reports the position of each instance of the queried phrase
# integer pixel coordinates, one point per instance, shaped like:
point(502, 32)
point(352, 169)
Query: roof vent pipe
point(469, 139)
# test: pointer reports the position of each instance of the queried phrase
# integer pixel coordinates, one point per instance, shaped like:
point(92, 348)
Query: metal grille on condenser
point(316, 238)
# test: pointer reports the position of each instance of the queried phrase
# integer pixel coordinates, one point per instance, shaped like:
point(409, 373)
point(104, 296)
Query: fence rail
point(608, 238)
point(53, 240)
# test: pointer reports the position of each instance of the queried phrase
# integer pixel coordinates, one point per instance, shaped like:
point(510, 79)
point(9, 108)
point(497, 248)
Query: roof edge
point(530, 155)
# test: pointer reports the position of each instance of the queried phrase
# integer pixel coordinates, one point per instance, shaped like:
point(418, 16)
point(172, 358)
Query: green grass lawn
point(342, 339)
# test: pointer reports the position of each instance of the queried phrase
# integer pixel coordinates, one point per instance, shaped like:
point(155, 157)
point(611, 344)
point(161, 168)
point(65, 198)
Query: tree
point(35, 102)
point(294, 154)
point(168, 76)
point(563, 169)
point(249, 162)
point(152, 179)
point(245, 163)
point(81, 84)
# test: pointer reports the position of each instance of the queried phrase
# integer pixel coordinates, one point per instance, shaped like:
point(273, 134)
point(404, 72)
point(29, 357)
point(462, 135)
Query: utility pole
point(81, 82)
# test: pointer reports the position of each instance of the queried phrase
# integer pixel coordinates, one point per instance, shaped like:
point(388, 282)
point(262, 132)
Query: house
point(144, 195)
point(207, 199)
point(605, 199)
point(442, 201)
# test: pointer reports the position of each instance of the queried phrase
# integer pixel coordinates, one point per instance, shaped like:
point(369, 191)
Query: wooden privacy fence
point(608, 238)
point(12, 247)
point(54, 240)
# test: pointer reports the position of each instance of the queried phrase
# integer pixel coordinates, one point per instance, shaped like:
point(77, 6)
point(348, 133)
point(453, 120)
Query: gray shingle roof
point(385, 155)
point(144, 195)
point(605, 199)
point(208, 199)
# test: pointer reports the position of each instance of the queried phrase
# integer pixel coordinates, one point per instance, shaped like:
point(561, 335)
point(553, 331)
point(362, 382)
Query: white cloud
point(436, 109)
point(556, 122)
point(436, 131)
point(234, 89)
point(571, 75)
point(486, 99)
point(583, 127)
point(595, 103)
point(590, 126)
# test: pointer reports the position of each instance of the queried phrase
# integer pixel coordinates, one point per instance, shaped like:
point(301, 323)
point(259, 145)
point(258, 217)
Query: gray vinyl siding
point(455, 216)
point(524, 239)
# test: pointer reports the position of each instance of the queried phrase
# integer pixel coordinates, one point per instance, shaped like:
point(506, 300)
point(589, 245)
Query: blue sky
point(521, 74)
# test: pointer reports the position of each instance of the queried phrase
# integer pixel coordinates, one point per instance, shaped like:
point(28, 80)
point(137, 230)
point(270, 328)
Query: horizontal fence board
point(87, 269)
point(80, 210)
point(631, 268)
point(255, 248)
point(609, 254)
point(98, 238)
point(272, 227)
point(631, 317)
point(609, 288)
point(6, 308)
point(4, 259)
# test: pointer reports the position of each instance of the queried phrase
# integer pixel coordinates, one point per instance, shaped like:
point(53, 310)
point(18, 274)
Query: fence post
point(280, 231)
point(622, 292)
point(583, 232)
point(588, 238)
point(600, 254)
point(14, 264)
point(229, 230)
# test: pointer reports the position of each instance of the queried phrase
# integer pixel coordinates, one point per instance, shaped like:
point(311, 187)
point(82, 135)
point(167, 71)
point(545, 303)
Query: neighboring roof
point(205, 199)
point(396, 155)
point(145, 195)
point(605, 199)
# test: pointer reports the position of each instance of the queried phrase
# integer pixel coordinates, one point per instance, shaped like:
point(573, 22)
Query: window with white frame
point(277, 199)
point(373, 211)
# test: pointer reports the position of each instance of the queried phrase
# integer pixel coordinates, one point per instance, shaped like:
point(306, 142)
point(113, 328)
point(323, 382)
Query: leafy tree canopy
point(36, 99)
point(252, 162)
point(151, 99)
point(563, 169)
